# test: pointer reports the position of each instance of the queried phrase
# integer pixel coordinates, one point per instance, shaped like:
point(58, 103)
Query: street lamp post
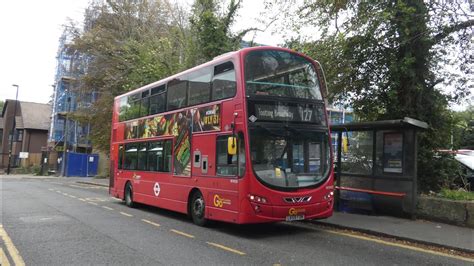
point(65, 136)
point(12, 131)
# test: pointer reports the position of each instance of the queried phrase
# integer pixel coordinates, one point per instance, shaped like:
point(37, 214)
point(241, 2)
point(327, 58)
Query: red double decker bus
point(243, 138)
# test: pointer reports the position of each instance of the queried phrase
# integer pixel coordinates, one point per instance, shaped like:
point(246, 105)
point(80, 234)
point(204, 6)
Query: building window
point(19, 135)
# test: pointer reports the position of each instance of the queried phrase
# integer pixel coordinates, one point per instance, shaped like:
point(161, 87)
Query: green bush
point(456, 194)
point(33, 169)
point(438, 171)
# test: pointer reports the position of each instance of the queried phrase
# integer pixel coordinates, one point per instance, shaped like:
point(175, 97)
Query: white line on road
point(126, 214)
point(107, 208)
point(92, 203)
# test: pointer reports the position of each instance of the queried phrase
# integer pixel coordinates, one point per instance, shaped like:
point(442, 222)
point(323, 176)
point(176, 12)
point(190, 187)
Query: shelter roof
point(406, 122)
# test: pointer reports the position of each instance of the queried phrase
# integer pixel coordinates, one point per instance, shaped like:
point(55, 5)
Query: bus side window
point(223, 83)
point(145, 104)
point(177, 94)
point(130, 158)
point(167, 156)
point(200, 86)
point(158, 99)
point(123, 108)
point(159, 156)
point(120, 156)
point(142, 156)
point(134, 107)
point(226, 164)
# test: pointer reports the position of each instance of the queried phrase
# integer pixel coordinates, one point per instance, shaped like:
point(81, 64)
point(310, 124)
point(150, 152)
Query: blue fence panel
point(92, 164)
point(81, 164)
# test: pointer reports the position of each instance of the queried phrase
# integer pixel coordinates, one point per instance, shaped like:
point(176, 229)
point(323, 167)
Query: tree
point(387, 59)
point(211, 30)
point(463, 130)
point(125, 44)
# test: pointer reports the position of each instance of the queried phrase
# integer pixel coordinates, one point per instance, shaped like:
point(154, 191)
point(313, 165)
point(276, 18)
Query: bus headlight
point(257, 199)
point(329, 196)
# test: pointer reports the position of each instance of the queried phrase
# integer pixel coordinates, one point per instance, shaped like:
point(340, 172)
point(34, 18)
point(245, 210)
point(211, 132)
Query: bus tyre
point(198, 209)
point(129, 196)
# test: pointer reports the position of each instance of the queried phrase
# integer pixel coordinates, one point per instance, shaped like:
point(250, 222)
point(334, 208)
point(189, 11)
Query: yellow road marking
point(81, 199)
point(400, 245)
point(11, 249)
point(226, 248)
point(150, 222)
point(181, 233)
point(3, 258)
point(107, 208)
point(93, 203)
point(126, 214)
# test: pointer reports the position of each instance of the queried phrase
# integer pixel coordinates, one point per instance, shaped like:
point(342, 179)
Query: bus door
point(217, 181)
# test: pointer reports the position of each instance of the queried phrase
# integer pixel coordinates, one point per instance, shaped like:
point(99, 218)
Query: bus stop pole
point(338, 166)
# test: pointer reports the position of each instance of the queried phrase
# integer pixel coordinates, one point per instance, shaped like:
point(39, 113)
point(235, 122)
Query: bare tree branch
point(450, 29)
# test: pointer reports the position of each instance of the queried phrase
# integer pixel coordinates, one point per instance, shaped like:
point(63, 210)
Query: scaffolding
point(68, 97)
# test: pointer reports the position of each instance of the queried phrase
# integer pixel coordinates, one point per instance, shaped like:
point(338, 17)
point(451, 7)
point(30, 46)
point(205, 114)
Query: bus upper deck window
point(223, 83)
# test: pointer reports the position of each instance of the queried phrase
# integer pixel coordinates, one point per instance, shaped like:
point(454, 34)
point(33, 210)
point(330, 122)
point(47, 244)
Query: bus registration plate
point(294, 218)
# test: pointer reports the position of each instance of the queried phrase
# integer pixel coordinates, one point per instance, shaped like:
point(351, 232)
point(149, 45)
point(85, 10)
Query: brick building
point(31, 123)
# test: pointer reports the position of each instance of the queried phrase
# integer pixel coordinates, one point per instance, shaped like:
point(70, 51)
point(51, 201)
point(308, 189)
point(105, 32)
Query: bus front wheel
point(198, 209)
point(129, 195)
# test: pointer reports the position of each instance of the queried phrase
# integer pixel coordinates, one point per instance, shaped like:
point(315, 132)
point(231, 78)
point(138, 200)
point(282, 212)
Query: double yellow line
point(11, 249)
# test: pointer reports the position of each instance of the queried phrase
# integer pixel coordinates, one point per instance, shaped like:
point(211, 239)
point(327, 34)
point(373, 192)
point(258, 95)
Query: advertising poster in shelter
point(393, 153)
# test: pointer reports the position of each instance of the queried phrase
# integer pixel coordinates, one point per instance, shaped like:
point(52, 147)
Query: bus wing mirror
point(232, 145)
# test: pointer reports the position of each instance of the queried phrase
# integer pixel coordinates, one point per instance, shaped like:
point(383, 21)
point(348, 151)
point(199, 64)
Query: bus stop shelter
point(376, 165)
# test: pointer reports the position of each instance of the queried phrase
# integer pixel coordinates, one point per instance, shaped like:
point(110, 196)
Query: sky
point(30, 31)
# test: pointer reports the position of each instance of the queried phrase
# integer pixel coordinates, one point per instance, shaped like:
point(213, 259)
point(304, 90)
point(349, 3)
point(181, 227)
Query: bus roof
point(219, 58)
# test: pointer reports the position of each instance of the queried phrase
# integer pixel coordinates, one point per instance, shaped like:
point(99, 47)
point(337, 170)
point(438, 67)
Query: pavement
point(418, 231)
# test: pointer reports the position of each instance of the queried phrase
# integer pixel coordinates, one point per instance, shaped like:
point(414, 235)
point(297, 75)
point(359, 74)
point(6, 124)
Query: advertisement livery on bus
point(242, 139)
